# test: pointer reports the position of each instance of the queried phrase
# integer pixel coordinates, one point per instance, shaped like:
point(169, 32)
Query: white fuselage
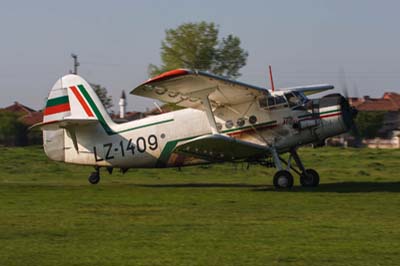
point(149, 142)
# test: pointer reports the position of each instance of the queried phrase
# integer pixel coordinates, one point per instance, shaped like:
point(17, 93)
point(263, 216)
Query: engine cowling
point(336, 114)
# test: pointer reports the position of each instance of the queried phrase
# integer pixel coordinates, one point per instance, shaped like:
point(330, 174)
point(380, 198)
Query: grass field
point(219, 215)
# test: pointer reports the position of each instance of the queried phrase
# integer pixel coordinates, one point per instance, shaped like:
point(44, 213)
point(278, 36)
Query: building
point(28, 115)
point(22, 136)
point(389, 103)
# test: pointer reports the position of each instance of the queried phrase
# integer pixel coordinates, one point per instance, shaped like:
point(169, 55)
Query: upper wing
point(311, 89)
point(186, 88)
point(221, 148)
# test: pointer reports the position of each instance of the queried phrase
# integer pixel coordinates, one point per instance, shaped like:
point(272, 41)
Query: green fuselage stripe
point(147, 125)
point(168, 149)
point(57, 101)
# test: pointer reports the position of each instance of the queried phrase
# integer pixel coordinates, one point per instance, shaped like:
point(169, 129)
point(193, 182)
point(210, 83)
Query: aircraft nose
point(348, 113)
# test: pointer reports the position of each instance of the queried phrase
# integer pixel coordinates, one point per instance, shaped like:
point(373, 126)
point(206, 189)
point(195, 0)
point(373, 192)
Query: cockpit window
point(292, 99)
point(296, 99)
point(272, 101)
point(280, 100)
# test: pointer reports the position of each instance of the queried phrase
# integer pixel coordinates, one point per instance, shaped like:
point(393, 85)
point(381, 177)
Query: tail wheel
point(309, 178)
point(283, 179)
point(94, 178)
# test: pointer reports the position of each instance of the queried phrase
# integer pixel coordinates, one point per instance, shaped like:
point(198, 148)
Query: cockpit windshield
point(292, 99)
point(295, 98)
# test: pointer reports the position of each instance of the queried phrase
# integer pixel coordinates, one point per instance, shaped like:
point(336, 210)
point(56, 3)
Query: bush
point(12, 131)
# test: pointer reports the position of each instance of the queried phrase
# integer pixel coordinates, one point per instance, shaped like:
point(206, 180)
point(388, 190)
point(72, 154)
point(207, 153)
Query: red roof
point(32, 118)
point(28, 115)
point(390, 101)
point(17, 107)
point(378, 105)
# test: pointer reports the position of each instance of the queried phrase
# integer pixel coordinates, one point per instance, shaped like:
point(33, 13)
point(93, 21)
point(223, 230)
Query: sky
point(345, 43)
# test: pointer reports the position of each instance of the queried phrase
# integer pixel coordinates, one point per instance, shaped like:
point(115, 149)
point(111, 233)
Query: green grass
point(218, 215)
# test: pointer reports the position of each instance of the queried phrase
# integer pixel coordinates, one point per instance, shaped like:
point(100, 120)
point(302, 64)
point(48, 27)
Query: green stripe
point(332, 111)
point(103, 122)
point(57, 101)
point(170, 146)
point(167, 151)
point(96, 110)
point(147, 125)
point(246, 127)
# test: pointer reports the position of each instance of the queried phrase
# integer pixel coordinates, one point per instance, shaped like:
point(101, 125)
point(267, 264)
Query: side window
point(272, 102)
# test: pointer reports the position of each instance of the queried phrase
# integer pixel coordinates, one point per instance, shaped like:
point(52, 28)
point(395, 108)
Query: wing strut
point(210, 115)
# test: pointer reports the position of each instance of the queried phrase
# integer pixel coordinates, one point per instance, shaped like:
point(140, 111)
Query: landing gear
point(284, 179)
point(309, 178)
point(94, 177)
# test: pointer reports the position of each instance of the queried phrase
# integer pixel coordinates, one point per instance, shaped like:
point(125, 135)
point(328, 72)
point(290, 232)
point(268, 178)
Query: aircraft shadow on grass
point(342, 187)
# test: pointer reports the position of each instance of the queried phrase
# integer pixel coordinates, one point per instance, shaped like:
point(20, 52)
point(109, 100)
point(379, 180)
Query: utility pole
point(76, 64)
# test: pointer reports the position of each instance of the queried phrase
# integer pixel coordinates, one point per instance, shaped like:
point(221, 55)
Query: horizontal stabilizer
point(66, 122)
point(221, 148)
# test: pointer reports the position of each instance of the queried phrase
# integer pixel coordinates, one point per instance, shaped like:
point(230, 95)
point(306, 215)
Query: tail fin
point(72, 98)
point(71, 103)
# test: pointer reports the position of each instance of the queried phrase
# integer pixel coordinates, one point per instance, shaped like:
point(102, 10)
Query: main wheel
point(94, 178)
point(283, 179)
point(309, 178)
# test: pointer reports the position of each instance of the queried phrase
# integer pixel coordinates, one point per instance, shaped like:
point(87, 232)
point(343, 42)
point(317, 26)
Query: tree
point(369, 123)
point(102, 93)
point(13, 132)
point(196, 46)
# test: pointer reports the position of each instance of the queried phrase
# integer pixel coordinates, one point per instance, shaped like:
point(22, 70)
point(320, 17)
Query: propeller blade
point(343, 81)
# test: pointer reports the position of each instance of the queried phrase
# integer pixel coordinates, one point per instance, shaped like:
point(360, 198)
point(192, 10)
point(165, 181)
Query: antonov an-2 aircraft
point(224, 121)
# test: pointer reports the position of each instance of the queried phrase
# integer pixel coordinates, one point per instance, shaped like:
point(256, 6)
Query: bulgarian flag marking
point(57, 105)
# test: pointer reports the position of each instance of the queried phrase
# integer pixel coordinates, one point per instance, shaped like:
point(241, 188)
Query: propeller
point(353, 111)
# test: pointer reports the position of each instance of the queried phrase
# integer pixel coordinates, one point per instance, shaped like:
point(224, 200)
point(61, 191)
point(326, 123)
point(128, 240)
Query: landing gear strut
point(284, 179)
point(94, 177)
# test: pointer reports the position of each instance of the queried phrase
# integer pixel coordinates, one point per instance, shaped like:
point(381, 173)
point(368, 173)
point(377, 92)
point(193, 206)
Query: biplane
point(222, 120)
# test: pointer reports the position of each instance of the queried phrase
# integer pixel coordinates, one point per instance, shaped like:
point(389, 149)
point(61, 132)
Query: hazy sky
point(305, 41)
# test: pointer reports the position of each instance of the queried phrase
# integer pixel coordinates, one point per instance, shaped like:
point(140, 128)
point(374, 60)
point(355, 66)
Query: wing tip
point(168, 74)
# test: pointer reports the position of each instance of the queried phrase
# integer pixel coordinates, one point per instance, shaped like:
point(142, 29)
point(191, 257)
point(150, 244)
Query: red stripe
point(330, 115)
point(57, 109)
point(82, 101)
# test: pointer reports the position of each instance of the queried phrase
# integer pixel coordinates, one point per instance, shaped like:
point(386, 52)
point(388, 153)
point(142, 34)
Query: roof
point(390, 101)
point(378, 105)
point(17, 107)
point(32, 118)
point(28, 115)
